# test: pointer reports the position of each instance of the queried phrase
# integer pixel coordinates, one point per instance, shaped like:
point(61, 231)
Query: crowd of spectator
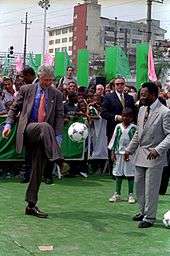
point(97, 102)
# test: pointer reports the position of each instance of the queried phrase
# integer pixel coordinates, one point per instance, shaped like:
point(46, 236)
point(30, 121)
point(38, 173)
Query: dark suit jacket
point(23, 105)
point(112, 106)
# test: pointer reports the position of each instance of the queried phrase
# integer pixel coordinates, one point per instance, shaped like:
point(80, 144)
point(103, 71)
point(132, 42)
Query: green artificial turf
point(81, 221)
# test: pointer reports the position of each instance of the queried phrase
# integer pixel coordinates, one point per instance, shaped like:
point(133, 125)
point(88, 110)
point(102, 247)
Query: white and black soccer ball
point(78, 132)
point(166, 219)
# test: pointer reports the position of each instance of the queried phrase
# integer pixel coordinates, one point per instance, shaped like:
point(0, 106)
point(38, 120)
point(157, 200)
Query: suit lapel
point(126, 97)
point(31, 96)
point(152, 117)
point(141, 120)
point(50, 103)
point(116, 99)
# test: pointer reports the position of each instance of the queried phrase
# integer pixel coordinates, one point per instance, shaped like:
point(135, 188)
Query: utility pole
point(45, 4)
point(149, 18)
point(26, 23)
point(115, 32)
point(126, 41)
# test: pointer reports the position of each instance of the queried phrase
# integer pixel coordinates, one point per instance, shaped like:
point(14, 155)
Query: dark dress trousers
point(39, 138)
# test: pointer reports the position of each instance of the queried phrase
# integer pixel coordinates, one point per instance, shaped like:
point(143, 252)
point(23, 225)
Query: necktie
point(122, 100)
point(146, 115)
point(41, 109)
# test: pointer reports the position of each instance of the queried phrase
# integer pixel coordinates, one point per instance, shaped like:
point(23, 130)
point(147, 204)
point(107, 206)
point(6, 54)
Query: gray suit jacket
point(155, 134)
point(23, 106)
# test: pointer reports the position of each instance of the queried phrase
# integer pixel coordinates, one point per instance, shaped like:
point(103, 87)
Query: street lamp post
point(45, 4)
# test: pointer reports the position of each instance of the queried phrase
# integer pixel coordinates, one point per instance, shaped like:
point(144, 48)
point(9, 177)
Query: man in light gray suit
point(150, 144)
point(41, 117)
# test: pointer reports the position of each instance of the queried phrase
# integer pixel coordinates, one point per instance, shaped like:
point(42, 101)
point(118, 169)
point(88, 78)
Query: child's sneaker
point(131, 199)
point(115, 198)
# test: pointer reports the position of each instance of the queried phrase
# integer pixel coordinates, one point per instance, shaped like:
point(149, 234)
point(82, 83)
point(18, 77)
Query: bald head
point(99, 89)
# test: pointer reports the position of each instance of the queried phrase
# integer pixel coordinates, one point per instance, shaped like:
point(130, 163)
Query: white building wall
point(60, 39)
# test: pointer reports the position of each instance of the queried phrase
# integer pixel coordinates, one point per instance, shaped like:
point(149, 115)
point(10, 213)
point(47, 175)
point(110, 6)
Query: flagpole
point(45, 4)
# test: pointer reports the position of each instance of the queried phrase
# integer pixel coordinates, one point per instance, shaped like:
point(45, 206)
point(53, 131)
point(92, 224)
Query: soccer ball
point(78, 132)
point(166, 219)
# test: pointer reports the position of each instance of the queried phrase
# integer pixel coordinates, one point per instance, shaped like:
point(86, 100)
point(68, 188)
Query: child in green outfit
point(121, 138)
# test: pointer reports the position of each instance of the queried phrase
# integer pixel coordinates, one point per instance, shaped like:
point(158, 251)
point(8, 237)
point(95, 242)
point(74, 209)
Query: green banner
point(70, 149)
point(35, 62)
point(141, 64)
point(116, 63)
point(67, 60)
point(83, 68)
point(111, 56)
point(123, 65)
point(8, 146)
point(6, 66)
point(59, 64)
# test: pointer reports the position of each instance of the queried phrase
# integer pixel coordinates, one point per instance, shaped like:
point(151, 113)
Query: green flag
point(141, 64)
point(8, 147)
point(67, 60)
point(6, 65)
point(83, 68)
point(123, 65)
point(35, 62)
point(116, 63)
point(59, 64)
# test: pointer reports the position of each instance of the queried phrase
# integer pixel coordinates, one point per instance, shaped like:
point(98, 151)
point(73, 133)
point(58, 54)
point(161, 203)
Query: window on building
point(107, 28)
point(71, 29)
point(57, 41)
point(51, 50)
point(75, 38)
point(64, 49)
point(75, 16)
point(138, 31)
point(64, 30)
point(75, 29)
point(58, 32)
point(109, 38)
point(64, 40)
point(51, 33)
point(74, 47)
point(57, 49)
point(70, 48)
point(70, 39)
point(51, 42)
point(136, 41)
point(122, 30)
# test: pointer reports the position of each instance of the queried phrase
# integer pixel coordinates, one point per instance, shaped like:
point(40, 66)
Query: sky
point(60, 13)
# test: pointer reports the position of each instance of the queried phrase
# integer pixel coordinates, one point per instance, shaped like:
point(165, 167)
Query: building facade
point(60, 39)
point(93, 32)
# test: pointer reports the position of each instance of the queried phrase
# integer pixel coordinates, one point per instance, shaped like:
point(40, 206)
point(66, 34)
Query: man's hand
point(126, 156)
point(153, 154)
point(6, 132)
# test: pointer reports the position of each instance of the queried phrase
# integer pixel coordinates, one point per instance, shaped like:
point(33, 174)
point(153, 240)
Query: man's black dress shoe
point(35, 212)
point(138, 217)
point(145, 224)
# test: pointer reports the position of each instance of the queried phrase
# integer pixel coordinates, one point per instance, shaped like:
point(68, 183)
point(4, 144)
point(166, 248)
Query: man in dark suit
point(113, 105)
point(41, 118)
